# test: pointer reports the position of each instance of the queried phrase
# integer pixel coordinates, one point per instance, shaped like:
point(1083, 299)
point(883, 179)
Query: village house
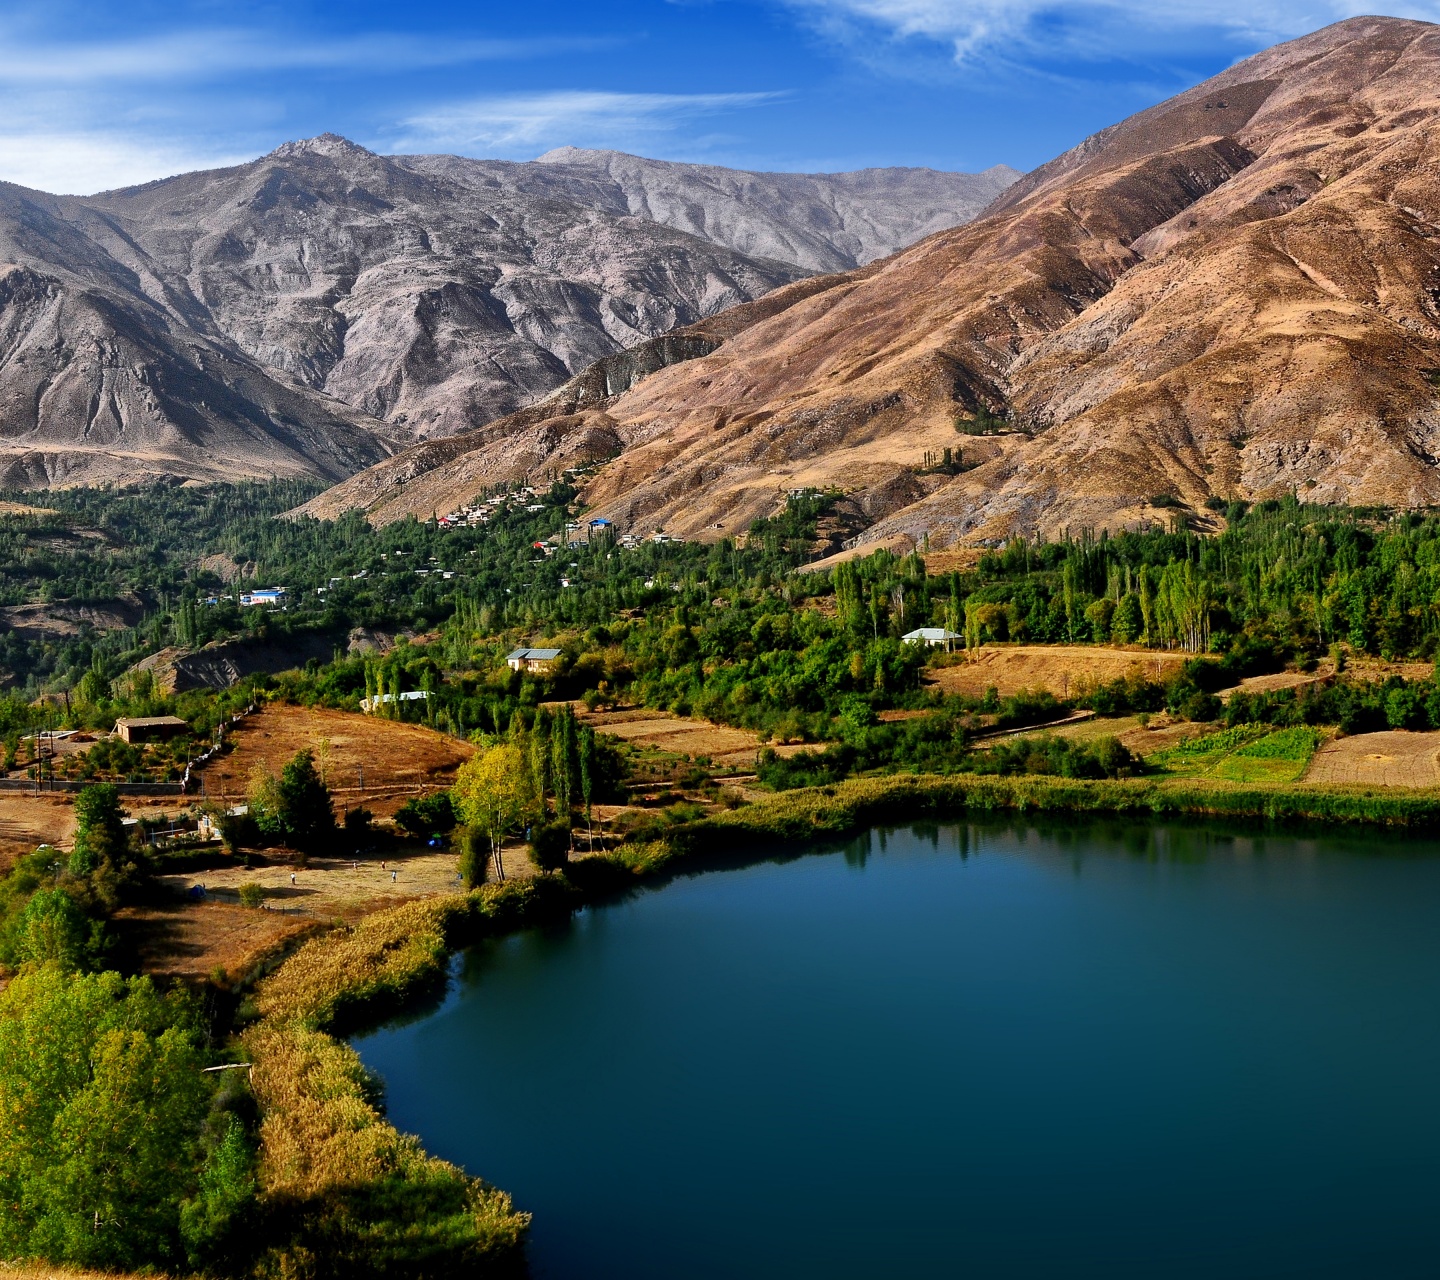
point(263, 596)
point(931, 636)
point(380, 699)
point(150, 728)
point(534, 660)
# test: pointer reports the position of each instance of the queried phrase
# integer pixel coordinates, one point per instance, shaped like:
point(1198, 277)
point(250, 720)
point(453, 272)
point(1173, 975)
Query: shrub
point(1201, 706)
point(426, 816)
point(252, 894)
point(474, 847)
point(550, 845)
point(1103, 758)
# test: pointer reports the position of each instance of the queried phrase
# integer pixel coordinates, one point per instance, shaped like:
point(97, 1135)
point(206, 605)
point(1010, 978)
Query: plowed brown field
point(27, 821)
point(1393, 759)
point(643, 728)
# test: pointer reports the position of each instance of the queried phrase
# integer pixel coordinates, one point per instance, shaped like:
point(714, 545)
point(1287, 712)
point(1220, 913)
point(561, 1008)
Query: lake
point(1107, 1050)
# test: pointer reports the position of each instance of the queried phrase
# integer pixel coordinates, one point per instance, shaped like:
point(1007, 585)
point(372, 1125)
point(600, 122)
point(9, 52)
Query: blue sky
point(96, 95)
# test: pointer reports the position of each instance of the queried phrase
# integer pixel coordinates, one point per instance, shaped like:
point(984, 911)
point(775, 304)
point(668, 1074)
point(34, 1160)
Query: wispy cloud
point(82, 115)
point(510, 124)
point(1046, 32)
point(201, 54)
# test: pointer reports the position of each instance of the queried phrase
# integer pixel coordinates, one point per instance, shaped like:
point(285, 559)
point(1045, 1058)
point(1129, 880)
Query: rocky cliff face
point(824, 221)
point(432, 302)
point(1233, 293)
point(312, 311)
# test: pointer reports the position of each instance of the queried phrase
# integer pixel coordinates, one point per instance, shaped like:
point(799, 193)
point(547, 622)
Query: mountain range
point(318, 309)
point(1234, 294)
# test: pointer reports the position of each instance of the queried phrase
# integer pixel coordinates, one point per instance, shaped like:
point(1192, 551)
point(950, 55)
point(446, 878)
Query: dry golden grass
point(1266, 684)
point(364, 1188)
point(190, 940)
point(27, 821)
point(659, 729)
point(45, 1271)
point(1396, 758)
point(398, 760)
point(1062, 669)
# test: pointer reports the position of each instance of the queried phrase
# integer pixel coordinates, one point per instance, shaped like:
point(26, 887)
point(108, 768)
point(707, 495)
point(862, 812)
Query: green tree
point(212, 1220)
point(307, 816)
point(587, 774)
point(99, 829)
point(102, 855)
point(103, 1099)
point(53, 929)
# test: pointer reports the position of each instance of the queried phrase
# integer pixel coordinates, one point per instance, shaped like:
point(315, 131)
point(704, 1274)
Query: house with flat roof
point(263, 596)
point(931, 636)
point(533, 660)
point(150, 728)
point(380, 699)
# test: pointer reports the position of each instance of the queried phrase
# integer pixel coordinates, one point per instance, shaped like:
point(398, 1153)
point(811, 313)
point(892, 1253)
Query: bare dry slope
point(1236, 292)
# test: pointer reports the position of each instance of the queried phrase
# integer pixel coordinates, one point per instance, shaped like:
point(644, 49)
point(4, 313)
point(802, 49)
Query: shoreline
point(328, 1157)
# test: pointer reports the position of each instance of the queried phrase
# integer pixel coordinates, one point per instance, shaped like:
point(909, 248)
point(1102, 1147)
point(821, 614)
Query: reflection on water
point(1107, 1049)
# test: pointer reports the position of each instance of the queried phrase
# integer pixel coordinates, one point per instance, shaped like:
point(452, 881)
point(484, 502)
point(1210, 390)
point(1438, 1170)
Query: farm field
point(189, 939)
point(1247, 753)
point(398, 760)
point(27, 821)
point(1143, 740)
point(1396, 758)
point(681, 736)
point(1062, 669)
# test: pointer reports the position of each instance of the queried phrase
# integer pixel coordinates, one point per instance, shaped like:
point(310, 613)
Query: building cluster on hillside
point(273, 597)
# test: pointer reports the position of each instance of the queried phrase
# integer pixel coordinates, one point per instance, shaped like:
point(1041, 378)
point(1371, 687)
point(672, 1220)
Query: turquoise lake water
point(1008, 1051)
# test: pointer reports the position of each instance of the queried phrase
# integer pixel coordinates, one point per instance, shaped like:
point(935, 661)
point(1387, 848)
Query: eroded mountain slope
point(1233, 293)
point(314, 309)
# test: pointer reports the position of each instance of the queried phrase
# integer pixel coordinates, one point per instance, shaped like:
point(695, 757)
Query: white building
point(931, 636)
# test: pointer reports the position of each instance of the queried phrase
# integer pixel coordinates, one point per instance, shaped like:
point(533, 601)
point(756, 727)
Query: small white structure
point(266, 595)
point(380, 699)
point(931, 636)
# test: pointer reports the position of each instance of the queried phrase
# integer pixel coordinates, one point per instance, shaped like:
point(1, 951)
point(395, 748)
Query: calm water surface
point(978, 1051)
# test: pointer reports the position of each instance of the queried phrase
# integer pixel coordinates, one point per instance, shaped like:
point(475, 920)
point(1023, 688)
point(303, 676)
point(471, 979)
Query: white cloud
point(974, 31)
point(83, 163)
point(526, 123)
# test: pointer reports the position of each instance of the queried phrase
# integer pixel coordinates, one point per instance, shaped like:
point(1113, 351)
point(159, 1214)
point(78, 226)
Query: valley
point(526, 684)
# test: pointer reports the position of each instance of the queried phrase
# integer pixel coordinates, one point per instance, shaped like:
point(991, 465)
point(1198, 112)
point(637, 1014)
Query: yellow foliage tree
point(492, 792)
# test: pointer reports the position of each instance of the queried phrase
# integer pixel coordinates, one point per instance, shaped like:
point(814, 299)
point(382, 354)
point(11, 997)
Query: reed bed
point(344, 1192)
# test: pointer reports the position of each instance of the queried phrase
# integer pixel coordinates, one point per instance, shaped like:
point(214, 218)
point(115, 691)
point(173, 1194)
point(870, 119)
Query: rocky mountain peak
point(330, 145)
point(571, 155)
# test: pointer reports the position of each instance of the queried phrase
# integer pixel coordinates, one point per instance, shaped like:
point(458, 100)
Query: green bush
point(252, 894)
point(426, 816)
point(550, 844)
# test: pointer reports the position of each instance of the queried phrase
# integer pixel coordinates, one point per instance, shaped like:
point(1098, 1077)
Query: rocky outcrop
point(221, 664)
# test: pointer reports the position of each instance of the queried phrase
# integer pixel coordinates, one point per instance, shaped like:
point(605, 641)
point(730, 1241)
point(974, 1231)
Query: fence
point(192, 767)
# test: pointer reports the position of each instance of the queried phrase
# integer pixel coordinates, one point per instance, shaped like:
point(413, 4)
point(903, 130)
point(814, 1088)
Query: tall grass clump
point(344, 1193)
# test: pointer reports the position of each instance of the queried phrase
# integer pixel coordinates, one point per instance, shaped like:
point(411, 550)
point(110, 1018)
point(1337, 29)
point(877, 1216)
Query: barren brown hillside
point(1232, 293)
